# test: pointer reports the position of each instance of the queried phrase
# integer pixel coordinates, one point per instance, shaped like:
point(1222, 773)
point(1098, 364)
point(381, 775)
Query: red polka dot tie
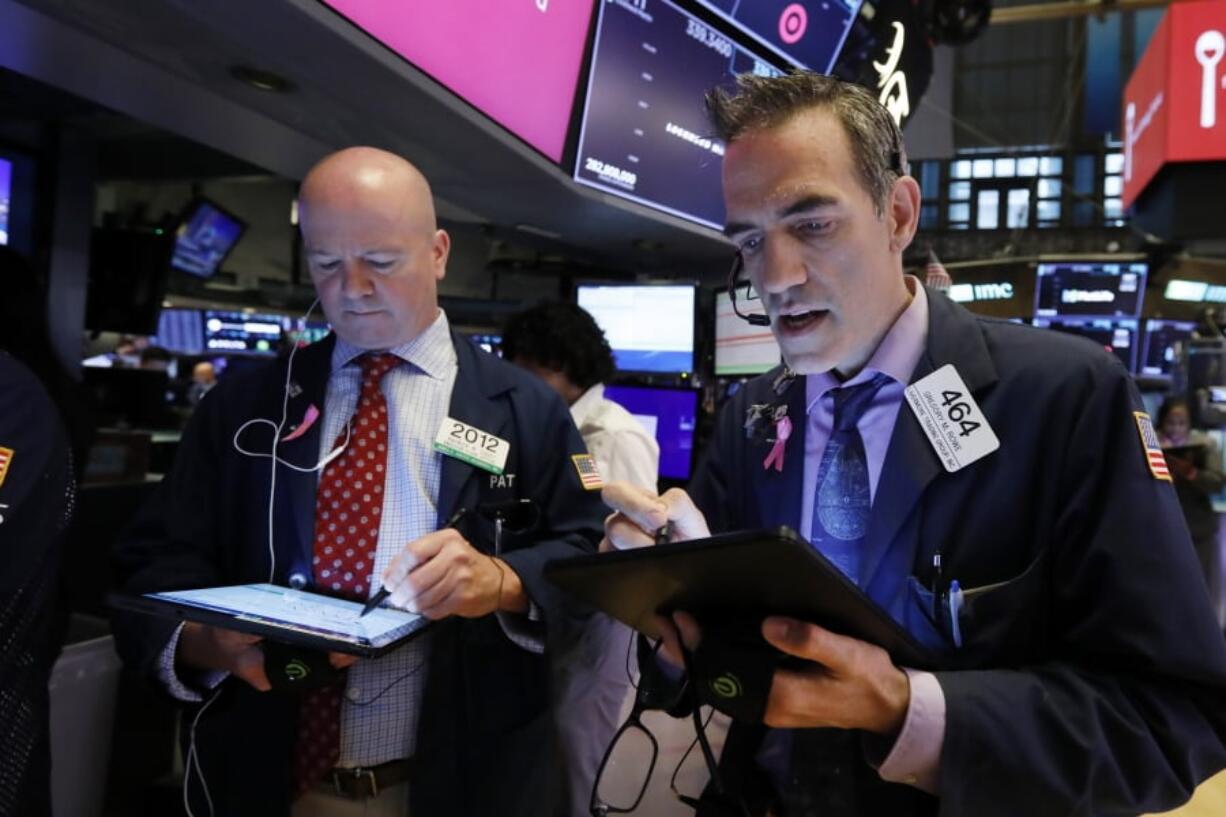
point(348, 505)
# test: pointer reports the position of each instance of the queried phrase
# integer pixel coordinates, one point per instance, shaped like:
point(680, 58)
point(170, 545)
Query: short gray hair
point(766, 102)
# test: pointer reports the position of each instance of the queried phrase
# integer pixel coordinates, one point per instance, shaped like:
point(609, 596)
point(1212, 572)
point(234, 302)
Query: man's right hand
point(639, 513)
point(203, 647)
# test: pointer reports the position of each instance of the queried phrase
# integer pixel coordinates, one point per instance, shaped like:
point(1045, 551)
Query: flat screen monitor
point(644, 134)
point(306, 332)
point(649, 327)
point(741, 348)
point(205, 236)
point(180, 331)
point(243, 332)
point(1089, 290)
point(670, 415)
point(809, 33)
point(6, 196)
point(1119, 337)
point(516, 61)
point(1158, 357)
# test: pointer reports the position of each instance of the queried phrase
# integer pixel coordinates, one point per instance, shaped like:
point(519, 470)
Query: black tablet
point(285, 615)
point(735, 577)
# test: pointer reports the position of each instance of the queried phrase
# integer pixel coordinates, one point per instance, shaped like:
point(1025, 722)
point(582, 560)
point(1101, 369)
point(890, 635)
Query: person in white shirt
point(563, 345)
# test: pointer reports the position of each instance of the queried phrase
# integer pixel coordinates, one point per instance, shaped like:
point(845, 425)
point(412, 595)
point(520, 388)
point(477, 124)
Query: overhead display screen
point(809, 34)
point(650, 328)
point(1089, 290)
point(1119, 337)
point(516, 61)
point(645, 134)
point(204, 239)
point(243, 332)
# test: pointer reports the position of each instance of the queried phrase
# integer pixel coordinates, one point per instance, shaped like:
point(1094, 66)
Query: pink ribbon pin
point(783, 430)
point(308, 420)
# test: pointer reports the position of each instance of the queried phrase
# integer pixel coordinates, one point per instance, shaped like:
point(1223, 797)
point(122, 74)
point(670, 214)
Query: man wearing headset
point(1015, 517)
point(359, 498)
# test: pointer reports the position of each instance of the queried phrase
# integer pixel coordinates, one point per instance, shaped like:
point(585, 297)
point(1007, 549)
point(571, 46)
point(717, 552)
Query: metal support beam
point(1063, 11)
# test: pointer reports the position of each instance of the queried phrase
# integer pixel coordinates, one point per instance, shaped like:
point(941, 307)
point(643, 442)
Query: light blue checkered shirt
point(383, 695)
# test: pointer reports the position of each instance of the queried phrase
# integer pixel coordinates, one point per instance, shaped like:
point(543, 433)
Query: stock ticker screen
point(645, 135)
point(1090, 290)
point(810, 34)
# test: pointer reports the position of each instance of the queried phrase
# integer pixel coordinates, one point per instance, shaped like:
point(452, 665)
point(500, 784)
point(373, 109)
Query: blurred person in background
point(43, 441)
point(204, 378)
point(1196, 468)
point(562, 344)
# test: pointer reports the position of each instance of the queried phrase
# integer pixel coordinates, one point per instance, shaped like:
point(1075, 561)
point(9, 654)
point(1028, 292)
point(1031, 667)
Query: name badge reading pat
point(472, 445)
point(951, 419)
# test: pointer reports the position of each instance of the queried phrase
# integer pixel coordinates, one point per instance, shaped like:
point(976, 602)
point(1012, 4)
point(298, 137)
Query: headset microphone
point(753, 320)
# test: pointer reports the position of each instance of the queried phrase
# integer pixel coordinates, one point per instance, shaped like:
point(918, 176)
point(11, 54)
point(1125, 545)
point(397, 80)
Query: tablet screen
point(301, 611)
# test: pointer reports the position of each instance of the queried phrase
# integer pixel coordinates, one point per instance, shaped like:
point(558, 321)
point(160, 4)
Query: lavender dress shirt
point(915, 758)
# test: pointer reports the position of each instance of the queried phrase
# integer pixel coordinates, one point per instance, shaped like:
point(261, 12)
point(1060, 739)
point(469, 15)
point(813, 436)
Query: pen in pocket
point(955, 611)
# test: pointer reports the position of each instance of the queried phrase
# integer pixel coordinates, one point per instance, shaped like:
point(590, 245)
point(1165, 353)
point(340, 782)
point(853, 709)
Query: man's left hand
point(851, 685)
point(441, 575)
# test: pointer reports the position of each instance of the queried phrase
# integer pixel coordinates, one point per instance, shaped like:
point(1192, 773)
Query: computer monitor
point(1116, 336)
point(205, 236)
point(6, 196)
point(306, 332)
point(741, 348)
point(243, 332)
point(1089, 289)
point(809, 33)
point(180, 331)
point(1158, 357)
point(669, 415)
point(650, 327)
point(644, 134)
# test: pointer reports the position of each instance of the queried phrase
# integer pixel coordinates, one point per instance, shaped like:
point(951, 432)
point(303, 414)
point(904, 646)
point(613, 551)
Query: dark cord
point(417, 668)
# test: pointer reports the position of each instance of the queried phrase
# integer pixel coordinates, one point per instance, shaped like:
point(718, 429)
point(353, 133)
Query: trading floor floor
point(1209, 800)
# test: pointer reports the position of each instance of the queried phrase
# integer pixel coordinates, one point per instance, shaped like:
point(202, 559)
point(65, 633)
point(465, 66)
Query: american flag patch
point(6, 457)
point(589, 474)
point(1153, 449)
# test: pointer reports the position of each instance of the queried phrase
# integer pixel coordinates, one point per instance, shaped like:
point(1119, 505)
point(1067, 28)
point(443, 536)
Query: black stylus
point(381, 596)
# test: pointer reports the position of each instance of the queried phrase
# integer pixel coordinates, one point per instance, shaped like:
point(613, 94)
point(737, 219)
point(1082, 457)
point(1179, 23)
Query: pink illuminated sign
point(517, 61)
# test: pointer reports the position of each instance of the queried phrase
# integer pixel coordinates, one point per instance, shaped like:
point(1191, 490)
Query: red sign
point(1175, 102)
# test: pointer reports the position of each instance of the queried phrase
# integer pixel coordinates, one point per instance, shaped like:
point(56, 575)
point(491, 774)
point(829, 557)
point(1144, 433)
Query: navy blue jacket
point(1092, 677)
point(484, 744)
point(37, 492)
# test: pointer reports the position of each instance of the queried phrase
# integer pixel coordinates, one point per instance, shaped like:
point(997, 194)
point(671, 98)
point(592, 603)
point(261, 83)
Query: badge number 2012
point(470, 435)
point(472, 445)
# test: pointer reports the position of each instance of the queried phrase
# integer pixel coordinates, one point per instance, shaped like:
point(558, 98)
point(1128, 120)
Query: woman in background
point(1196, 465)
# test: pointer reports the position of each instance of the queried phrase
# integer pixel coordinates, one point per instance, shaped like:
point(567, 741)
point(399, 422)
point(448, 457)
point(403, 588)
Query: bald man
point(455, 722)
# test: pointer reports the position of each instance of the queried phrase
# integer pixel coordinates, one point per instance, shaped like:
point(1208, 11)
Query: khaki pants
point(319, 802)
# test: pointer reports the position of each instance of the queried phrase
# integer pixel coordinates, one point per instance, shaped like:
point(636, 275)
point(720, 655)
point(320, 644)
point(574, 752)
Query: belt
point(361, 783)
